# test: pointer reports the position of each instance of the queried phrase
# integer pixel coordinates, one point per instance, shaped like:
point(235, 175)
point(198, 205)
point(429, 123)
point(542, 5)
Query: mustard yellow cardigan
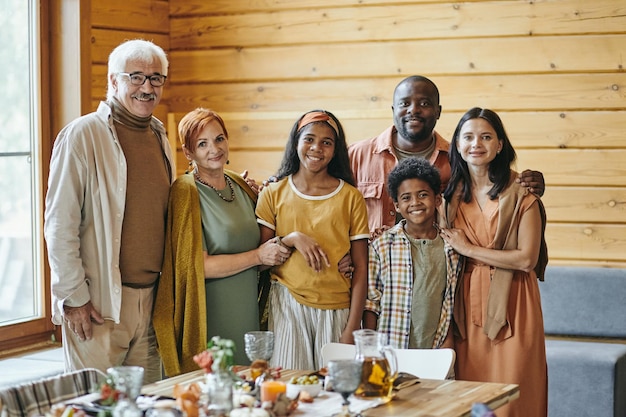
point(179, 317)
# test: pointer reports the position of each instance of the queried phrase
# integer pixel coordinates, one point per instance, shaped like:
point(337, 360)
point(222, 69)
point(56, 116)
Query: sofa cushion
point(586, 379)
point(584, 301)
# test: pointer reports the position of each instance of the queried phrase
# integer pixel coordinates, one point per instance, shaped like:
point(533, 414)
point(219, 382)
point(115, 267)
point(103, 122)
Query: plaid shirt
point(390, 286)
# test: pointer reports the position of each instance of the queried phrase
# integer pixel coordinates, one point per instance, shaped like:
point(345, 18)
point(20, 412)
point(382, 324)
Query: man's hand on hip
point(79, 320)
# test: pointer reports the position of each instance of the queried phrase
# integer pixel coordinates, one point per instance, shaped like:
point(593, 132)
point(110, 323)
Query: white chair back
point(427, 363)
point(424, 363)
point(333, 351)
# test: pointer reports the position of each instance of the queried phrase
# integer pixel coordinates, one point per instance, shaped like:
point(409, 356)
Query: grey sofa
point(584, 310)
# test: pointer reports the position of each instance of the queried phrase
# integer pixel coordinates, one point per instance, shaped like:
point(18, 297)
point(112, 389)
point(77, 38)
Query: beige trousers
point(131, 342)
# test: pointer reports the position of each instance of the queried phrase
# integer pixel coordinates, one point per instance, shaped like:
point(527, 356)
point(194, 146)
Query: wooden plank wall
point(553, 69)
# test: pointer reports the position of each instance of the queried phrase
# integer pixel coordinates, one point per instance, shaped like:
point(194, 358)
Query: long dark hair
point(339, 166)
point(499, 168)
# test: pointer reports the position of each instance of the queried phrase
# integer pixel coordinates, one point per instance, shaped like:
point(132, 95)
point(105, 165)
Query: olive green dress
point(229, 228)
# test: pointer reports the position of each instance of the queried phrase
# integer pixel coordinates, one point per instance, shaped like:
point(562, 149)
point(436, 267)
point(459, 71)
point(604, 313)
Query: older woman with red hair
point(209, 280)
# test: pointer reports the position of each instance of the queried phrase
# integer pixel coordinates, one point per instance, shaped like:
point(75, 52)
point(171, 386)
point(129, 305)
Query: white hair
point(134, 50)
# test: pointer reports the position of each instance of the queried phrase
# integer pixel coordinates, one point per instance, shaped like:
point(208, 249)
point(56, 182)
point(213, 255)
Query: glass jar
point(128, 381)
point(219, 389)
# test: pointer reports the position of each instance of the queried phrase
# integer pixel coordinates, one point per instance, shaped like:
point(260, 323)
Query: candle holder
point(270, 390)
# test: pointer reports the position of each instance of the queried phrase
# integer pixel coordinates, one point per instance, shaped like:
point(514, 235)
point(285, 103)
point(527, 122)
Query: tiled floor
point(31, 366)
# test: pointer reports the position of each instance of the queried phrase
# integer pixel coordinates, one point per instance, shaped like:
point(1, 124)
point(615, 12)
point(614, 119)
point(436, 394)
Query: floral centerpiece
point(218, 357)
point(217, 361)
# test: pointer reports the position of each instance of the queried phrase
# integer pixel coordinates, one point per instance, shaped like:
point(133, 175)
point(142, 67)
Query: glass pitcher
point(380, 365)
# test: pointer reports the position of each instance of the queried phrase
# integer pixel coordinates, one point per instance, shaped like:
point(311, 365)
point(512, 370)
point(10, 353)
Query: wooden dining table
point(427, 398)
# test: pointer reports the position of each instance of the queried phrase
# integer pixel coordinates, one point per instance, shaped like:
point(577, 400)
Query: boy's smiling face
point(417, 202)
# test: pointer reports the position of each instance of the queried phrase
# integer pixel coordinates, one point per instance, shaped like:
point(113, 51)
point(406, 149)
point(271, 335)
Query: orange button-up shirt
point(373, 159)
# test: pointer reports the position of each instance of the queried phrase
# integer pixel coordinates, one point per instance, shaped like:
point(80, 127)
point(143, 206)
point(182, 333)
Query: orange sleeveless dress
point(520, 358)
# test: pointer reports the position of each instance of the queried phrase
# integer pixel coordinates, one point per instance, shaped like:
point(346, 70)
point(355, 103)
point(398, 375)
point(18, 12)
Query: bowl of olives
point(308, 383)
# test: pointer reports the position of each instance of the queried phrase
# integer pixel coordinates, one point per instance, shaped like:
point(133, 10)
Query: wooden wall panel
point(99, 81)
point(180, 8)
point(577, 167)
point(261, 164)
point(553, 69)
point(543, 54)
point(576, 204)
point(389, 22)
point(185, 8)
point(586, 242)
point(135, 16)
point(105, 40)
point(502, 93)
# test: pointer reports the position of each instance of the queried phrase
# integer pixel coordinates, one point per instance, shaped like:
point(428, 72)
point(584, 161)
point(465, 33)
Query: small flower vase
point(220, 392)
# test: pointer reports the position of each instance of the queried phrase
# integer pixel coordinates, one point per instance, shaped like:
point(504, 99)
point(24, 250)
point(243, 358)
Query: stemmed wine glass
point(345, 377)
point(259, 345)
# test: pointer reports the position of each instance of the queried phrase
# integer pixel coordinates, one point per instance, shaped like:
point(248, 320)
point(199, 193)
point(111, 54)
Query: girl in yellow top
point(314, 209)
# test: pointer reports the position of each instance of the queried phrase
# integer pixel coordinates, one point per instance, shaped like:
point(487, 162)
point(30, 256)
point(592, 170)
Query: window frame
point(41, 329)
point(65, 94)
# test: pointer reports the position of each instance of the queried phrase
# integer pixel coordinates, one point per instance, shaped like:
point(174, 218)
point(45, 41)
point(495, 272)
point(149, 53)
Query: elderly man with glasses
point(106, 205)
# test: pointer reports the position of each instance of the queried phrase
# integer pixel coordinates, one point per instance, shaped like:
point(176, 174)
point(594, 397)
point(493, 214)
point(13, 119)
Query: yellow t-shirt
point(333, 220)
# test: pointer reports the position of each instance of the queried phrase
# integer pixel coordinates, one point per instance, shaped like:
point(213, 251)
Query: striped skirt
point(301, 331)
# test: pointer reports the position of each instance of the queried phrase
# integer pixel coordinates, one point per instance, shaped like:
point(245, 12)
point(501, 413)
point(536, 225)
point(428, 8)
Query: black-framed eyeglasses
point(137, 78)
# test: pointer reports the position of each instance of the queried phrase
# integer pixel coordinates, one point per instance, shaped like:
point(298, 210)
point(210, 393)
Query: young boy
point(412, 272)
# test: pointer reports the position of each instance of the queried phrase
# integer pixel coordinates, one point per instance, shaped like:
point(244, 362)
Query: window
point(22, 285)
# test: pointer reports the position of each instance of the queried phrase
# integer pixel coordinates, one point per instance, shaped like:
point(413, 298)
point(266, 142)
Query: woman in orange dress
point(498, 226)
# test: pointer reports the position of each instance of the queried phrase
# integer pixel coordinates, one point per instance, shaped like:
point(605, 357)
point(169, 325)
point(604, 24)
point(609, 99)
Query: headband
point(318, 116)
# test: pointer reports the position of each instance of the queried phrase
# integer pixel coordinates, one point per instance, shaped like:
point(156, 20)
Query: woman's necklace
point(228, 182)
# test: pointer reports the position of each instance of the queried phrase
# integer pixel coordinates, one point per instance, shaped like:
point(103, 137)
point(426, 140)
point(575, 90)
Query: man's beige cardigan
point(179, 316)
